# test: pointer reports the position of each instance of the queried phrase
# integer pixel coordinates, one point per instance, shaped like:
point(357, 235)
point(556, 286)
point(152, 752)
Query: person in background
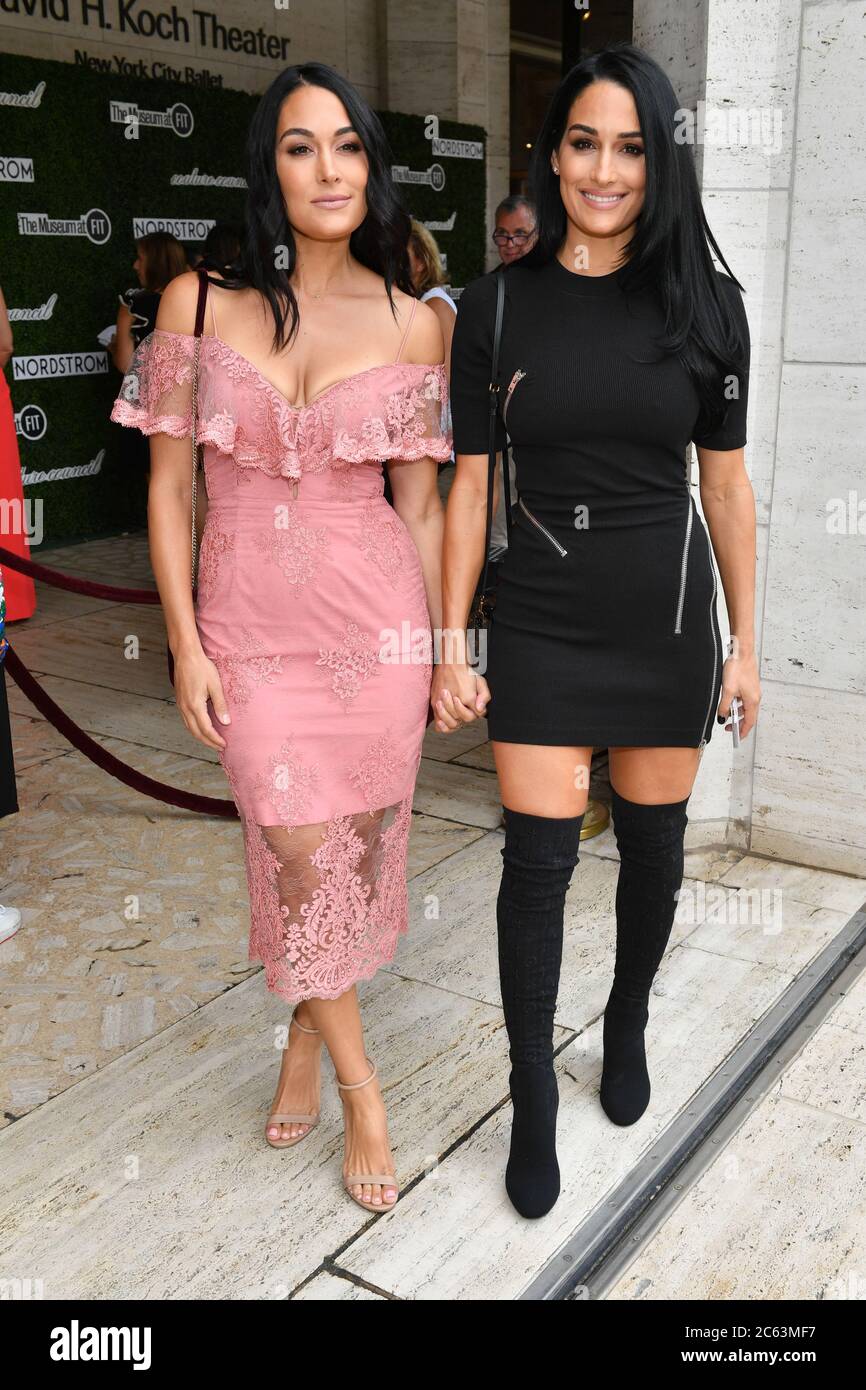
point(10, 917)
point(221, 247)
point(428, 279)
point(514, 228)
point(159, 258)
point(20, 589)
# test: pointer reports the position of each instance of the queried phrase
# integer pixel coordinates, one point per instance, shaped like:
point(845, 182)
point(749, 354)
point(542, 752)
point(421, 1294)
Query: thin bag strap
point(506, 473)
point(406, 331)
point(491, 439)
point(199, 328)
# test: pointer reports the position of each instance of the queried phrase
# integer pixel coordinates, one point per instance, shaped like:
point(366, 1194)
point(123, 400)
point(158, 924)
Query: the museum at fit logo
point(94, 224)
point(177, 118)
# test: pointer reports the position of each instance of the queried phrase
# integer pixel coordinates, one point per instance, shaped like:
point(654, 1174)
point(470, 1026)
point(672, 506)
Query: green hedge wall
point(464, 192)
point(83, 160)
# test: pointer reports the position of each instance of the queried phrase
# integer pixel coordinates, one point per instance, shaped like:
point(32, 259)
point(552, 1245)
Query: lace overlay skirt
point(311, 604)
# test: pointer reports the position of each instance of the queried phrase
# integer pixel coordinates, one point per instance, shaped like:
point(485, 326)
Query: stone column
point(451, 60)
point(785, 203)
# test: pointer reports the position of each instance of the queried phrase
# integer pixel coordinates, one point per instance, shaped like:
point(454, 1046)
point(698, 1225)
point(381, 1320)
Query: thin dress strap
point(406, 333)
point(200, 304)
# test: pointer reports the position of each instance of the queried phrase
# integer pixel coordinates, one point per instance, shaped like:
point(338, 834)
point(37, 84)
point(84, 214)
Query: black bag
point(479, 616)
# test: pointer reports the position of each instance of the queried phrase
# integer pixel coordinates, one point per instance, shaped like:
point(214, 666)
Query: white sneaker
point(10, 921)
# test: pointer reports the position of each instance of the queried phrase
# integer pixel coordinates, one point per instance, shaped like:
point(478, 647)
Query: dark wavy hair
point(221, 246)
point(380, 242)
point(669, 249)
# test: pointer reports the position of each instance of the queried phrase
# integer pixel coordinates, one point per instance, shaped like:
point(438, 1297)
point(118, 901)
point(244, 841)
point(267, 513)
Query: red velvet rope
point(173, 796)
point(77, 586)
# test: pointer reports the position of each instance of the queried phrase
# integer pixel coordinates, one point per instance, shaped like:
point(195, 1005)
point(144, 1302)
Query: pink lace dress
point(311, 603)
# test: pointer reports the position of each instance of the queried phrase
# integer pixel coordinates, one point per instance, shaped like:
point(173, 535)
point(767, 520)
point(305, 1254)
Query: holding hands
point(458, 696)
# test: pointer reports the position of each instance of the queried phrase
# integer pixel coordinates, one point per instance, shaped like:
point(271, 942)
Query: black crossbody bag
point(482, 607)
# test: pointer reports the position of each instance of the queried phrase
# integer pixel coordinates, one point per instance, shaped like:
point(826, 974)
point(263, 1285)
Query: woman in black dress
point(159, 258)
point(621, 344)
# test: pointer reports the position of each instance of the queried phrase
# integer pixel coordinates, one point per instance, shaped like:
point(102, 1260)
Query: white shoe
point(10, 921)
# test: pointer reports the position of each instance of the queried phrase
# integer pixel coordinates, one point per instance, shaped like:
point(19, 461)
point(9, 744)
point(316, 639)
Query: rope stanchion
point(160, 791)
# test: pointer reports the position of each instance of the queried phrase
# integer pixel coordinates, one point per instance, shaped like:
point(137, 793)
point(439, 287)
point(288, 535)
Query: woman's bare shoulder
point(425, 342)
point(177, 304)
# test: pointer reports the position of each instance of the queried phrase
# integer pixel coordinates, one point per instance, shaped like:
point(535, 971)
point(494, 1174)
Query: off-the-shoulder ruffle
point(178, 426)
point(156, 392)
point(399, 411)
point(404, 421)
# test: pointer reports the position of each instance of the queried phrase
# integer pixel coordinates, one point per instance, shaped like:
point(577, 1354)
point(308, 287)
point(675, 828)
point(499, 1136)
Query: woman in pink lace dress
point(312, 626)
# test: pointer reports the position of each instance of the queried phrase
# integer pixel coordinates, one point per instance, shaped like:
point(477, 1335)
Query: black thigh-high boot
point(539, 857)
point(650, 841)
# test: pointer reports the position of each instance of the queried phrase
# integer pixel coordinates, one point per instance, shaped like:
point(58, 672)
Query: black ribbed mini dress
point(605, 631)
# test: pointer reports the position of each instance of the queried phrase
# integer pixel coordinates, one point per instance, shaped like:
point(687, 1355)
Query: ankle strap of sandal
point(301, 1026)
point(353, 1085)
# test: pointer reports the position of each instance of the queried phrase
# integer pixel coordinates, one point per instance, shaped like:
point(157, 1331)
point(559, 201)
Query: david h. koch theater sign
point(131, 25)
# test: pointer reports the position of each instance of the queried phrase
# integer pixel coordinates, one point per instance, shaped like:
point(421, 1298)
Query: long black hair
point(380, 242)
point(669, 248)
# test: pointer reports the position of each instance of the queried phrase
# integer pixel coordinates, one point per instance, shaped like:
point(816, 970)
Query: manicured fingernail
point(720, 718)
point(225, 719)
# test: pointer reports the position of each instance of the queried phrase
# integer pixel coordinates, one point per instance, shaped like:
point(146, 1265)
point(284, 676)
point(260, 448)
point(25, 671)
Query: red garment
point(19, 588)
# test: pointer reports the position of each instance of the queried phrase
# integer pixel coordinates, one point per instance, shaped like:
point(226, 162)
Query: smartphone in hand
point(736, 718)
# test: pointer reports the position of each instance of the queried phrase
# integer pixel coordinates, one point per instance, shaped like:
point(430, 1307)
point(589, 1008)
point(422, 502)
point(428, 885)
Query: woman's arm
point(414, 485)
point(122, 345)
point(729, 507)
point(459, 694)
point(419, 506)
point(169, 512)
point(6, 343)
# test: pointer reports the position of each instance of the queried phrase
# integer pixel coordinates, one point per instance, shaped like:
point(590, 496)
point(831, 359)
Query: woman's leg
point(651, 789)
point(339, 1026)
point(367, 1149)
point(544, 794)
point(338, 1021)
point(296, 861)
point(299, 1082)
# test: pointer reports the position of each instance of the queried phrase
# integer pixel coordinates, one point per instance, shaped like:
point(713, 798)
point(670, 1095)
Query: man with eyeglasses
point(515, 229)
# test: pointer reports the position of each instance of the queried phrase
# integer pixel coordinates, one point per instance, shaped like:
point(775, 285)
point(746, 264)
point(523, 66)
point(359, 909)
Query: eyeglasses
point(501, 238)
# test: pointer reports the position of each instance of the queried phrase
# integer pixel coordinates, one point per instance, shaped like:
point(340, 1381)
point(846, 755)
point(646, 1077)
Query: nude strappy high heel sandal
point(278, 1118)
point(384, 1179)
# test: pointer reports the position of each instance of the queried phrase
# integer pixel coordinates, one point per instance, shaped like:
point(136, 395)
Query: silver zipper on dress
point(518, 376)
point(714, 686)
point(552, 539)
point(678, 624)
